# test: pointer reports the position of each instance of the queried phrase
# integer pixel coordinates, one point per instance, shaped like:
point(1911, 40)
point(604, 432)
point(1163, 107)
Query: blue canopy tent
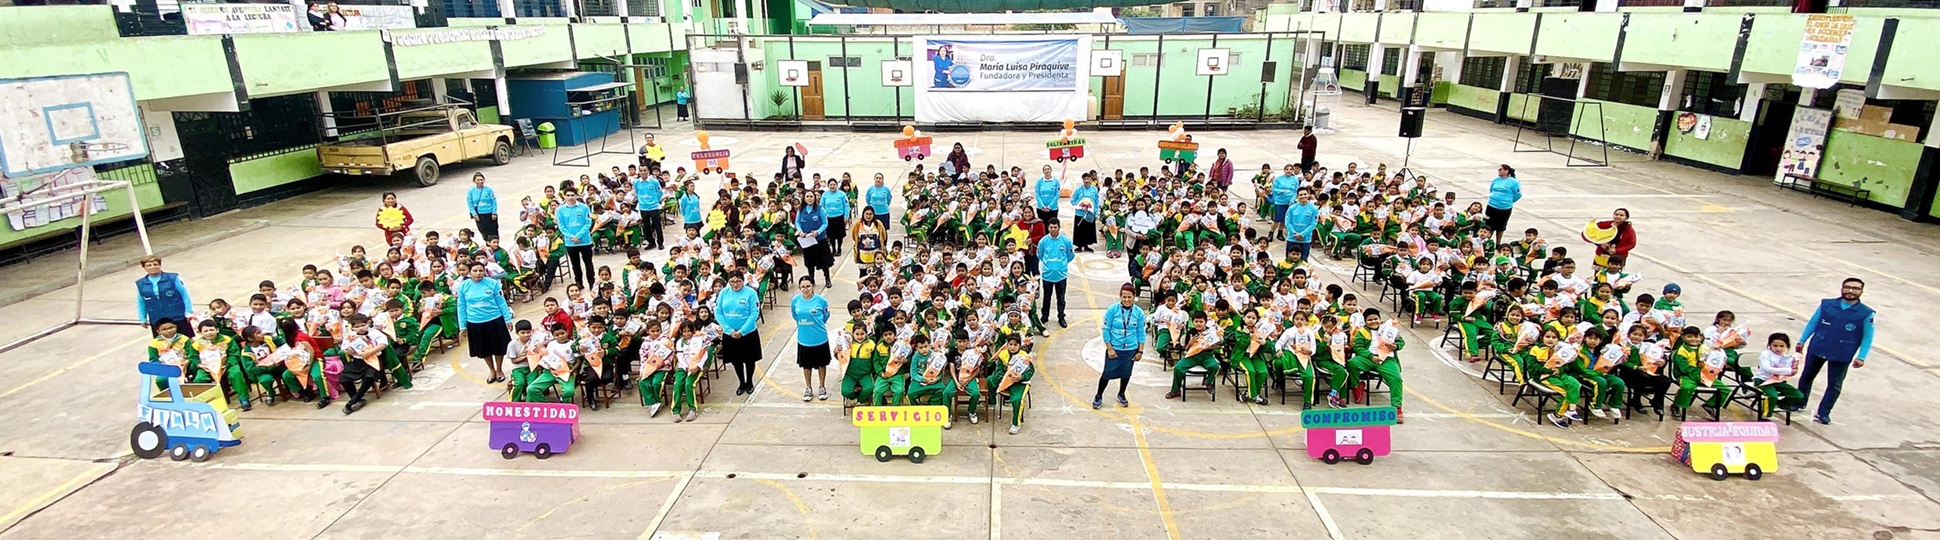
point(1171, 25)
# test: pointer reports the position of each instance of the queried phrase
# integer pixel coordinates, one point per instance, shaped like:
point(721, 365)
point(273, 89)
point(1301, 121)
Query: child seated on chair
point(363, 348)
point(861, 358)
point(970, 352)
point(1470, 316)
point(1601, 389)
point(892, 373)
point(1777, 365)
point(1202, 352)
point(554, 368)
point(520, 353)
point(1008, 383)
point(1694, 365)
point(1543, 364)
point(656, 364)
point(1377, 348)
point(1252, 350)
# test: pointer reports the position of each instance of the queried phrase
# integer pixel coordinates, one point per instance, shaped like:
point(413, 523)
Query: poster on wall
point(1214, 61)
point(1703, 128)
point(205, 19)
point(1804, 144)
point(1002, 78)
point(1107, 63)
point(1849, 102)
point(792, 72)
point(897, 73)
point(50, 187)
point(378, 17)
point(1822, 53)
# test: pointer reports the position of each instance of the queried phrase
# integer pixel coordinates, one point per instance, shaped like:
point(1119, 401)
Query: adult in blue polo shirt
point(1504, 191)
point(161, 296)
point(811, 312)
point(1054, 255)
point(1281, 193)
point(482, 312)
point(649, 192)
point(1125, 336)
point(482, 203)
point(1046, 192)
point(1839, 335)
point(738, 308)
point(575, 221)
point(1301, 219)
point(878, 199)
point(835, 208)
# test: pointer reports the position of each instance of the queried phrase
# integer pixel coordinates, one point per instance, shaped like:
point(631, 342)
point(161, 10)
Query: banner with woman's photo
point(1002, 78)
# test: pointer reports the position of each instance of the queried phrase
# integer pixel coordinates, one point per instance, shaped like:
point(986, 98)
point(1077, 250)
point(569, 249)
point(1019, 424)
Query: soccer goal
point(53, 131)
point(1557, 117)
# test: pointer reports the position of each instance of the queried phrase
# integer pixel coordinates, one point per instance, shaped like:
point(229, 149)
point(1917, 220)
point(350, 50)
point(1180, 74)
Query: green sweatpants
point(1687, 392)
point(1288, 362)
point(973, 387)
point(1475, 337)
point(1205, 359)
point(932, 394)
point(1336, 375)
point(685, 383)
point(399, 371)
point(1389, 370)
point(1255, 367)
point(649, 386)
point(1780, 395)
point(536, 391)
point(891, 390)
point(1569, 387)
point(240, 373)
point(1429, 302)
point(427, 339)
point(859, 382)
point(1014, 395)
point(1601, 389)
point(521, 377)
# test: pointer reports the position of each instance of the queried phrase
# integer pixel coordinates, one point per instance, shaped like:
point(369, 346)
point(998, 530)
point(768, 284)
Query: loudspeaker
point(1411, 119)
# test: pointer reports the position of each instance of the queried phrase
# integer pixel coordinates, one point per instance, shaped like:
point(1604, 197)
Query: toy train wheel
point(542, 451)
point(1718, 472)
point(148, 441)
point(1330, 457)
point(511, 450)
point(1364, 457)
point(883, 453)
point(178, 452)
point(199, 454)
point(1753, 472)
point(909, 157)
point(916, 455)
point(919, 157)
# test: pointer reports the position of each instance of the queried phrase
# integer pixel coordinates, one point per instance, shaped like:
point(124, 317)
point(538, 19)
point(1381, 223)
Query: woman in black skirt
point(482, 312)
point(811, 229)
point(811, 313)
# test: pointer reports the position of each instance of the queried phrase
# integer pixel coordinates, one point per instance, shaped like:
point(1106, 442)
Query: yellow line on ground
point(70, 367)
point(521, 531)
point(70, 485)
point(1534, 435)
point(1152, 473)
point(800, 506)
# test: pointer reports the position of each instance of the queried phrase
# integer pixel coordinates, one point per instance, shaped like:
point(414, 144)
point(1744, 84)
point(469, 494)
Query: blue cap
point(1673, 288)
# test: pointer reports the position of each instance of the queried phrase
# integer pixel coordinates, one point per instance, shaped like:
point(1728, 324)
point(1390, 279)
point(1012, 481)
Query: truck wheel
point(426, 173)
point(542, 451)
point(1719, 473)
point(1364, 457)
point(148, 441)
point(1330, 457)
point(510, 451)
point(178, 452)
point(916, 455)
point(1753, 472)
point(501, 153)
point(199, 454)
point(883, 453)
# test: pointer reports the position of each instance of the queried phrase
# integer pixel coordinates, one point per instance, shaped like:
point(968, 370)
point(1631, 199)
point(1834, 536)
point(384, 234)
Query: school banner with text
point(1002, 78)
point(1822, 53)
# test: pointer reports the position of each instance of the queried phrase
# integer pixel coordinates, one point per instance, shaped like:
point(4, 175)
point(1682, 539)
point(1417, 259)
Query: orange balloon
point(702, 137)
point(1068, 124)
point(909, 131)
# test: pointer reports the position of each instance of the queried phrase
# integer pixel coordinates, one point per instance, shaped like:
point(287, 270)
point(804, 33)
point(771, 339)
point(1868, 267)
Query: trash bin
point(547, 139)
point(1320, 118)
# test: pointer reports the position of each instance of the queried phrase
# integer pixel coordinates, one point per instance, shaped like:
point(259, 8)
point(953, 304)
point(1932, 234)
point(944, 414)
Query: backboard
point(52, 123)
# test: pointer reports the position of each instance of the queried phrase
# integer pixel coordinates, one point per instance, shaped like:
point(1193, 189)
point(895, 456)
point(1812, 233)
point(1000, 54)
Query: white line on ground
point(667, 507)
point(1320, 510)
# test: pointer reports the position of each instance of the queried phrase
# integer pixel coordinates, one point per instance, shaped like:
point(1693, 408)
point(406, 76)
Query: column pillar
point(1372, 87)
point(1507, 87)
point(439, 93)
point(1926, 178)
point(324, 107)
point(1748, 105)
point(1668, 102)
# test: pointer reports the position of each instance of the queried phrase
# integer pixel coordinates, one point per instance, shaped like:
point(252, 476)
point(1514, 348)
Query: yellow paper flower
point(390, 217)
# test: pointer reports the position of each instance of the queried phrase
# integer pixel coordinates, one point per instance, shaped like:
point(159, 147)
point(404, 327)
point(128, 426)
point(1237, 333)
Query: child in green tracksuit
point(1777, 364)
point(1603, 390)
point(1203, 352)
point(403, 333)
point(656, 362)
point(1470, 317)
point(1544, 363)
point(892, 370)
point(969, 365)
point(1295, 346)
point(554, 368)
point(1007, 383)
point(863, 356)
point(218, 355)
point(1252, 350)
point(690, 357)
point(435, 319)
point(1377, 348)
point(1330, 355)
point(930, 382)
point(521, 353)
point(1694, 365)
point(256, 365)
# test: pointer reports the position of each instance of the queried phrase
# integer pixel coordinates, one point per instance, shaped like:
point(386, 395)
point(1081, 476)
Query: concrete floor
point(1467, 465)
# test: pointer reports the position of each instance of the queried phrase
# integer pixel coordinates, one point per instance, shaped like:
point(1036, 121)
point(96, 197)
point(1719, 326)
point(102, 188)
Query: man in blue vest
point(161, 295)
point(1838, 335)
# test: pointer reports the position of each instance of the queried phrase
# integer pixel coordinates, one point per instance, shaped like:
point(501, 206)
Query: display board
point(1001, 78)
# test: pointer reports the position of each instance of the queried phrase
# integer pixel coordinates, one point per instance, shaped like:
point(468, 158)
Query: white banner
point(1804, 144)
point(455, 35)
point(239, 18)
point(378, 17)
point(1822, 54)
point(1002, 78)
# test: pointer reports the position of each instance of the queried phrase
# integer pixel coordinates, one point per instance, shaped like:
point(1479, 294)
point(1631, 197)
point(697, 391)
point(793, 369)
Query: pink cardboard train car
point(1362, 432)
point(543, 429)
point(915, 148)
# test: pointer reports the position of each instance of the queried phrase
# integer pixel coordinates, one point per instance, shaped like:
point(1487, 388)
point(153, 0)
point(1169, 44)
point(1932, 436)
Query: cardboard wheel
point(511, 450)
point(542, 451)
point(1364, 457)
point(1719, 473)
point(179, 452)
point(1753, 472)
point(1330, 457)
point(883, 454)
point(199, 454)
point(909, 157)
point(917, 454)
point(148, 441)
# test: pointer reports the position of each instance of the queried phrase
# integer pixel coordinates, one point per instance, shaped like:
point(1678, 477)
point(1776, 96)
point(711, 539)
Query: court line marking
point(996, 511)
point(666, 507)
point(1326, 519)
point(51, 495)
point(70, 367)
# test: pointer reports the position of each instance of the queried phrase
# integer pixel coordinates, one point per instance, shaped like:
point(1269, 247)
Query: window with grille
point(1708, 92)
point(643, 8)
point(1185, 10)
point(845, 61)
point(1354, 57)
point(1483, 71)
point(1641, 88)
point(1391, 61)
point(1145, 60)
point(1529, 77)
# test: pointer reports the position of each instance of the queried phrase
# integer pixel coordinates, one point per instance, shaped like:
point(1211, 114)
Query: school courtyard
point(1466, 465)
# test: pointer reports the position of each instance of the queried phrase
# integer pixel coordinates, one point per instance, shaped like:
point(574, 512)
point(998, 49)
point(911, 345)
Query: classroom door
point(812, 94)
point(1114, 106)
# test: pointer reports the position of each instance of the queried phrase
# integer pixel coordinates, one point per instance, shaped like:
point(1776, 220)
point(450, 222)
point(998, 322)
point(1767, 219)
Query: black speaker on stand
point(1414, 111)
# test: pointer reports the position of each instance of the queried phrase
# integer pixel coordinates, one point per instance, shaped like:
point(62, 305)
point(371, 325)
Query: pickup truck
point(414, 144)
